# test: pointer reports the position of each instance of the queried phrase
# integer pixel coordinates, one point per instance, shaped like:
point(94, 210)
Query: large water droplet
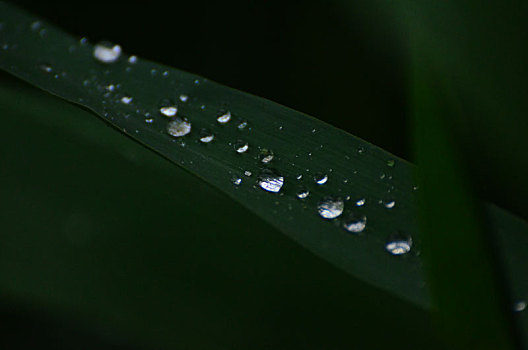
point(519, 306)
point(320, 178)
point(355, 224)
point(179, 127)
point(303, 193)
point(206, 136)
point(399, 244)
point(106, 52)
point(266, 155)
point(167, 107)
point(270, 181)
point(224, 117)
point(241, 146)
point(330, 207)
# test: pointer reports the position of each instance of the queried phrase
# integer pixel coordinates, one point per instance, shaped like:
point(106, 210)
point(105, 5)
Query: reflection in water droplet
point(320, 178)
point(266, 155)
point(149, 120)
point(355, 224)
point(110, 87)
point(179, 127)
point(519, 306)
point(184, 98)
point(126, 99)
point(241, 146)
point(399, 244)
point(330, 207)
point(167, 107)
point(389, 204)
point(303, 193)
point(360, 202)
point(224, 117)
point(132, 59)
point(106, 52)
point(206, 136)
point(270, 181)
point(247, 173)
point(236, 180)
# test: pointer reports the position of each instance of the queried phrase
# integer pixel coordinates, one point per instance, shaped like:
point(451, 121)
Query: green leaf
point(62, 65)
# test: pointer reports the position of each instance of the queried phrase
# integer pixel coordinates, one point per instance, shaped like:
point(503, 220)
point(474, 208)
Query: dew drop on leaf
point(266, 155)
point(355, 224)
point(241, 146)
point(247, 173)
point(184, 98)
point(330, 207)
point(303, 193)
point(389, 204)
point(106, 52)
point(206, 136)
point(270, 181)
point(398, 244)
point(223, 118)
point(360, 202)
point(179, 127)
point(167, 107)
point(236, 180)
point(519, 306)
point(132, 59)
point(126, 99)
point(320, 178)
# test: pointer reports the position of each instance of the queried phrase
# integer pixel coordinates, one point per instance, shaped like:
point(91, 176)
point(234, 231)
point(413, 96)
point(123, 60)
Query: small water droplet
point(106, 52)
point(298, 177)
point(320, 178)
point(153, 71)
point(126, 99)
point(270, 181)
point(360, 202)
point(360, 150)
point(206, 136)
point(355, 224)
point(167, 107)
point(241, 146)
point(179, 127)
point(165, 73)
point(242, 125)
point(389, 204)
point(303, 193)
point(247, 173)
point(519, 306)
point(132, 59)
point(236, 180)
point(46, 67)
point(83, 41)
point(399, 244)
point(36, 25)
point(110, 87)
point(266, 155)
point(390, 162)
point(184, 98)
point(224, 117)
point(330, 207)
point(149, 120)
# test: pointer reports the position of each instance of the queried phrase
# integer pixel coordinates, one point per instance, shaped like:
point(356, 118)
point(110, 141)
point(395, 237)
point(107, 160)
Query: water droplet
point(389, 204)
point(330, 207)
point(360, 150)
point(242, 125)
point(241, 146)
point(266, 155)
point(36, 25)
point(519, 306)
point(224, 117)
point(320, 178)
point(303, 193)
point(168, 108)
point(179, 127)
point(298, 177)
point(46, 67)
point(106, 52)
point(399, 244)
point(270, 181)
point(184, 98)
point(360, 202)
point(126, 99)
point(132, 59)
point(110, 87)
point(206, 136)
point(149, 120)
point(247, 173)
point(355, 224)
point(390, 162)
point(236, 180)
point(83, 41)
point(165, 73)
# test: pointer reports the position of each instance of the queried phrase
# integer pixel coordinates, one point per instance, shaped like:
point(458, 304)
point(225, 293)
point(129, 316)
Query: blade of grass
point(50, 59)
point(470, 297)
